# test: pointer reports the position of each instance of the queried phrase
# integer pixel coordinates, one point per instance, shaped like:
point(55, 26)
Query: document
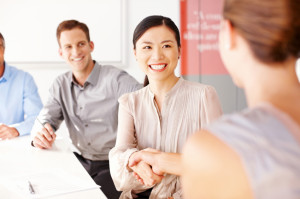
point(46, 184)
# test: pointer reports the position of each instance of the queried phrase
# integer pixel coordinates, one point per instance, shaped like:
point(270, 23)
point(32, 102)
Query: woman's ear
point(228, 34)
point(179, 52)
point(134, 52)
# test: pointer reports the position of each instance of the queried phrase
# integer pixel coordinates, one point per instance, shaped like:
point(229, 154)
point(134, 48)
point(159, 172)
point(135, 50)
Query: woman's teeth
point(158, 67)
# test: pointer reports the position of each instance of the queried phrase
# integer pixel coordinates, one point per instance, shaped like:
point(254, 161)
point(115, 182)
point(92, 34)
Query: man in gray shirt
point(87, 99)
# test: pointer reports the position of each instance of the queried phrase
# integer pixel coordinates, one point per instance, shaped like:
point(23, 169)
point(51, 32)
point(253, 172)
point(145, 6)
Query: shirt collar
point(94, 75)
point(172, 90)
point(92, 78)
point(6, 73)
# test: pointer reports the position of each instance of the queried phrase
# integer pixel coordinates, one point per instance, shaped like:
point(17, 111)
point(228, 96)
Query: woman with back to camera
point(254, 153)
point(160, 116)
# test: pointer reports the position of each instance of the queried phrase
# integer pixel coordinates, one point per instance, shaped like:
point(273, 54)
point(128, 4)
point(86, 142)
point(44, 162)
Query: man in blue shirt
point(20, 102)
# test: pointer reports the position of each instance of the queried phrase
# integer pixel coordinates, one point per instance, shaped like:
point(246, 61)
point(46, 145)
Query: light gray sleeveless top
point(268, 143)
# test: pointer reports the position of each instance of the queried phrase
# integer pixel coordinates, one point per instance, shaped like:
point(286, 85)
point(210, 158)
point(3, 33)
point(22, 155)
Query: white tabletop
point(18, 157)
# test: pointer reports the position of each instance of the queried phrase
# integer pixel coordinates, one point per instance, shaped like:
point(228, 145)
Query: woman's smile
point(158, 67)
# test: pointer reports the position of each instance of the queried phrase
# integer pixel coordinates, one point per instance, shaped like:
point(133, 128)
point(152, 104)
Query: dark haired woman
point(160, 116)
point(255, 153)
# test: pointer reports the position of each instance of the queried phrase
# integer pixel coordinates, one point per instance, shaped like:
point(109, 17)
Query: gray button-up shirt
point(90, 112)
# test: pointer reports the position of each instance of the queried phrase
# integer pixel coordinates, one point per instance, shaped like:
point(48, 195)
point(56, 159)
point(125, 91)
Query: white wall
point(34, 27)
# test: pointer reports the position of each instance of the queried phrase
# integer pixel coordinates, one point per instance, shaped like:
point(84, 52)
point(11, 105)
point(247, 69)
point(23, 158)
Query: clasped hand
point(144, 167)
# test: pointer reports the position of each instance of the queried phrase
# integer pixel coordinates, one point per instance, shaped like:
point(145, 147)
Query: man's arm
point(51, 117)
point(32, 105)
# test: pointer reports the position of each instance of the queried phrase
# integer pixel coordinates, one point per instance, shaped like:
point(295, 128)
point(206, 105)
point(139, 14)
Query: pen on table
point(43, 126)
point(30, 187)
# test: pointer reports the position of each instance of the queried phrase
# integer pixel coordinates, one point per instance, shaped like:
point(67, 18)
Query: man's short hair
point(69, 25)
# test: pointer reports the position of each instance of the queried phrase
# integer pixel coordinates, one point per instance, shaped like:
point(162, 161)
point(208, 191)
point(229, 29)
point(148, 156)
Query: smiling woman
point(157, 53)
point(158, 118)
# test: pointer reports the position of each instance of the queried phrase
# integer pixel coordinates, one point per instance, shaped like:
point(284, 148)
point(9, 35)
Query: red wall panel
point(200, 24)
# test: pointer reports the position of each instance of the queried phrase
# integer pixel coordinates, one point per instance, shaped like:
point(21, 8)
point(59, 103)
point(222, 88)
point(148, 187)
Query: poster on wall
point(200, 25)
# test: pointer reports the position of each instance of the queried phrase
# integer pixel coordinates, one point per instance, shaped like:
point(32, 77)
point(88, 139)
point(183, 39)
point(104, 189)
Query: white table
point(17, 157)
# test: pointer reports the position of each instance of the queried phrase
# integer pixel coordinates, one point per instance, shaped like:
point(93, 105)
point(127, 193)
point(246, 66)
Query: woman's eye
point(147, 47)
point(167, 46)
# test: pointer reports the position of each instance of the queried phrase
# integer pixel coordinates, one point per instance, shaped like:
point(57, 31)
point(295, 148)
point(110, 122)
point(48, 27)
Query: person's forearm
point(169, 163)
point(25, 126)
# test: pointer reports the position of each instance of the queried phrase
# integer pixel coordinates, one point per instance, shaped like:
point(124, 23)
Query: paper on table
point(48, 183)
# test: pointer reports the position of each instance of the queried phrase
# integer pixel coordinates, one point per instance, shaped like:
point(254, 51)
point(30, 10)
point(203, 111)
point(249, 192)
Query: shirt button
point(80, 108)
point(86, 125)
point(89, 143)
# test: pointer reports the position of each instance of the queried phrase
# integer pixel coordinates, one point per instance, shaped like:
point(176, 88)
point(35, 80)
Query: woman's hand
point(143, 172)
point(149, 156)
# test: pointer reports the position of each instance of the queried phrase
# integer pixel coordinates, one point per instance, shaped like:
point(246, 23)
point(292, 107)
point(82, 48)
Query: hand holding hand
point(44, 137)
point(149, 156)
point(144, 174)
point(7, 132)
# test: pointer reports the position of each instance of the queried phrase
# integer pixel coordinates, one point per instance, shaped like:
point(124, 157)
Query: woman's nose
point(157, 54)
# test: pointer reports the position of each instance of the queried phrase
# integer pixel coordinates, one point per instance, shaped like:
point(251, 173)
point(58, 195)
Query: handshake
point(149, 165)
